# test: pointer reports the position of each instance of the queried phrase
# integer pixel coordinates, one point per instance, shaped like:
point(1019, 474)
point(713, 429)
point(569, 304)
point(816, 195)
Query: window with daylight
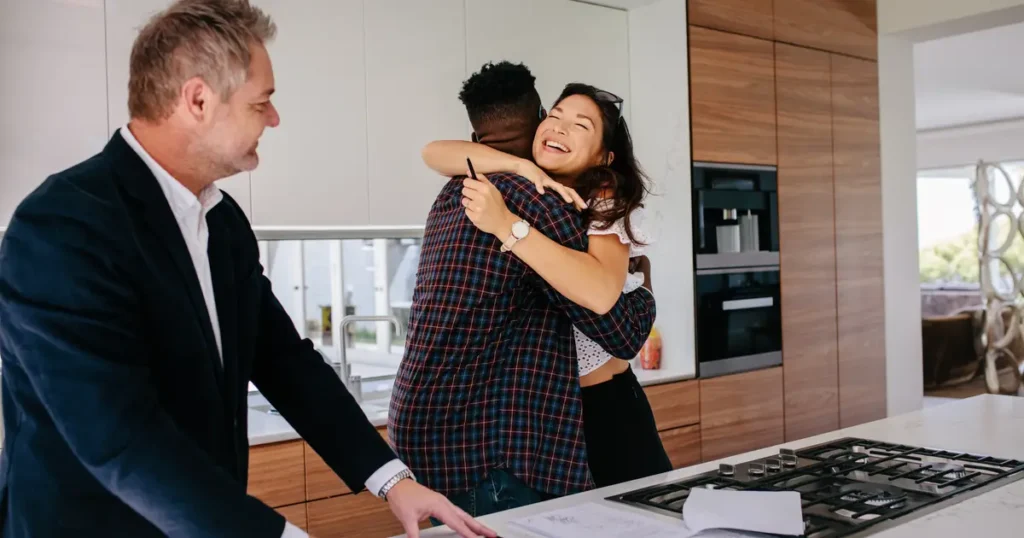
point(948, 236)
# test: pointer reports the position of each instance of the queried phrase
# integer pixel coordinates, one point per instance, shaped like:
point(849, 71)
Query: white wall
point(904, 378)
point(53, 100)
point(661, 133)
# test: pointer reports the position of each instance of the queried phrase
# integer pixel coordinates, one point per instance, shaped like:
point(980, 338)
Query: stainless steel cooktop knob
point(773, 465)
point(725, 469)
point(756, 469)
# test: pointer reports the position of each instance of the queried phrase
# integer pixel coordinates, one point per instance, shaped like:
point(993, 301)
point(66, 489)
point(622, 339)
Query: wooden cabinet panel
point(732, 97)
point(844, 26)
point(353, 516)
point(858, 203)
point(276, 474)
point(682, 445)
point(295, 514)
point(807, 241)
point(747, 17)
point(321, 481)
point(675, 404)
point(740, 412)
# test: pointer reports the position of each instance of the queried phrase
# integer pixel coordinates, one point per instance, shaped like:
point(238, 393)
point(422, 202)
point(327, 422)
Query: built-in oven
point(736, 265)
point(739, 319)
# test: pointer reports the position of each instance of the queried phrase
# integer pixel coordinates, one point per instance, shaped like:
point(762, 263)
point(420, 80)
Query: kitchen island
point(990, 425)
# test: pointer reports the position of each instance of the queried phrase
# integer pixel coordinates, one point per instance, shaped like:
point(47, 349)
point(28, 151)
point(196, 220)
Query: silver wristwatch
point(405, 473)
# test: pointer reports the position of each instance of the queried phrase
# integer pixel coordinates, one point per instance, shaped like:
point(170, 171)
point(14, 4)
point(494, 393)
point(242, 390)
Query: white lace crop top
point(590, 355)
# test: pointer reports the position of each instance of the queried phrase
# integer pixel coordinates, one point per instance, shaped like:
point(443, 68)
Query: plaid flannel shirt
point(489, 378)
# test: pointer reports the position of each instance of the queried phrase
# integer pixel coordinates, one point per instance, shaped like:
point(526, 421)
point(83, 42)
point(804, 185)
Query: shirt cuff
point(291, 531)
point(387, 471)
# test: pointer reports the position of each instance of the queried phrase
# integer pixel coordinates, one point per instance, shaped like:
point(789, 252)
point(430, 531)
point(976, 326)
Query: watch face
point(520, 229)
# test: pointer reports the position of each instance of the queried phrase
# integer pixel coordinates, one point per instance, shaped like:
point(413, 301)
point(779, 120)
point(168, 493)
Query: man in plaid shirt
point(486, 408)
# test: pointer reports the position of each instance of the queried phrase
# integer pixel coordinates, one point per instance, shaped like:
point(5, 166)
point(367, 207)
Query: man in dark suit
point(134, 312)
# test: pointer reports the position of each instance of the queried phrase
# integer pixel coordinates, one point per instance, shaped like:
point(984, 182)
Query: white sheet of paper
point(591, 520)
point(774, 512)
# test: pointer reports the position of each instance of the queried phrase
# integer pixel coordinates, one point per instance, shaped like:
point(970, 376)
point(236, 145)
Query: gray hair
point(209, 39)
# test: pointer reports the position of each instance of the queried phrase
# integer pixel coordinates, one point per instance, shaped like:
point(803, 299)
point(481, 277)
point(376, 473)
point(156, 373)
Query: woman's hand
point(541, 179)
point(485, 207)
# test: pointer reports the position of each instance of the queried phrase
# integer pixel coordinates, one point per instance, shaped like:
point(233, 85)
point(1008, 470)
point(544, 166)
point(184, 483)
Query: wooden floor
point(967, 390)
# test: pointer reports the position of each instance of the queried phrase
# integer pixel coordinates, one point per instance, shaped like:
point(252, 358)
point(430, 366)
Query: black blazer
point(120, 419)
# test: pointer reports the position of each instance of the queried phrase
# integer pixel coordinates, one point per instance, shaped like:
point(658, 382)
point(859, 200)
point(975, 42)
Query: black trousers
point(622, 438)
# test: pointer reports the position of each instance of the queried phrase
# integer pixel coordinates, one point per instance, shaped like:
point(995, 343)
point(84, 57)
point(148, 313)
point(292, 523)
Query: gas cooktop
point(849, 487)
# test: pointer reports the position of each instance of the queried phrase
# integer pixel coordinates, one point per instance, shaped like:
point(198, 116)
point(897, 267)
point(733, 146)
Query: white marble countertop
point(991, 425)
point(267, 428)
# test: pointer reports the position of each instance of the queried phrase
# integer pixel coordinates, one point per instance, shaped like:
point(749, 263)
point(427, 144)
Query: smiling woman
point(583, 143)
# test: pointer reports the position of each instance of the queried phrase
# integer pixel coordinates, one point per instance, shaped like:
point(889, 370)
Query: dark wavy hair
point(623, 176)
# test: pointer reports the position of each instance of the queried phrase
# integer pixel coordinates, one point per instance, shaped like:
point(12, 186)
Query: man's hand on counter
point(412, 503)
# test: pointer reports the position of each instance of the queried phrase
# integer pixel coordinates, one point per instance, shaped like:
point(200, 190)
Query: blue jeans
point(497, 492)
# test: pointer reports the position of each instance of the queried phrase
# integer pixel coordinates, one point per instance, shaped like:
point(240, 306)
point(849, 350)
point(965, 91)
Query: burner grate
point(847, 485)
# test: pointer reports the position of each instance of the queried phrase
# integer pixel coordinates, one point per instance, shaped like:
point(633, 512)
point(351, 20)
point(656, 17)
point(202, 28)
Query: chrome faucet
point(354, 383)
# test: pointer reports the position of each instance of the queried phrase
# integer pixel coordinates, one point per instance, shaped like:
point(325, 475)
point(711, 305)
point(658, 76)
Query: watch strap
point(512, 239)
point(386, 488)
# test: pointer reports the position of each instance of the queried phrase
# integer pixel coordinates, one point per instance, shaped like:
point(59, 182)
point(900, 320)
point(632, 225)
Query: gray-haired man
point(134, 312)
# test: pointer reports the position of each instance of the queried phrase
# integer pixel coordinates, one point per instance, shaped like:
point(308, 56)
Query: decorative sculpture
point(1002, 285)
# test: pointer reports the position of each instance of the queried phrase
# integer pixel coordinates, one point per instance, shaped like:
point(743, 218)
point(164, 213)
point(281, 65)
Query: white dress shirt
point(190, 212)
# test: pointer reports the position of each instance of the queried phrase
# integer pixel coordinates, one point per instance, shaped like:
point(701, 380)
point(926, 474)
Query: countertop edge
point(647, 378)
point(289, 434)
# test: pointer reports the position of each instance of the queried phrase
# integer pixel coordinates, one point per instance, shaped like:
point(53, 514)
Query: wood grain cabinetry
point(843, 26)
point(675, 404)
point(732, 97)
point(858, 202)
point(276, 474)
point(807, 240)
point(321, 481)
point(747, 17)
point(682, 445)
point(353, 516)
point(295, 514)
point(741, 412)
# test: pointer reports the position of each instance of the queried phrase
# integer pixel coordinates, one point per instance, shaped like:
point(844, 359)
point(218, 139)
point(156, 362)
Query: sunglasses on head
point(609, 97)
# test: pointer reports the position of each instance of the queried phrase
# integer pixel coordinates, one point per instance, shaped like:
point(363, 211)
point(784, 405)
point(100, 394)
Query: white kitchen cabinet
point(561, 41)
point(312, 168)
point(124, 19)
point(53, 100)
point(415, 65)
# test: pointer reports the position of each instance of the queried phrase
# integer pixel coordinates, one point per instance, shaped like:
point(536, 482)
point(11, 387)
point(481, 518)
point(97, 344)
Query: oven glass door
point(738, 320)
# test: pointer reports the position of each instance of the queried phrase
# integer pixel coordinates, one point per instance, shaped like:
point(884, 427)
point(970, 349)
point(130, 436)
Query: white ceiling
point(970, 78)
